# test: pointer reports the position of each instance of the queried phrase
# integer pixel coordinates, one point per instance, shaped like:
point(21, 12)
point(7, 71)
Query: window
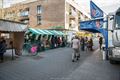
point(39, 9)
point(24, 12)
point(117, 20)
point(39, 20)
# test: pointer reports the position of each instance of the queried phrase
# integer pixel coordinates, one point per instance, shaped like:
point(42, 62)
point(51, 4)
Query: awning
point(61, 32)
point(42, 31)
point(45, 32)
point(57, 32)
point(34, 31)
point(12, 26)
point(53, 32)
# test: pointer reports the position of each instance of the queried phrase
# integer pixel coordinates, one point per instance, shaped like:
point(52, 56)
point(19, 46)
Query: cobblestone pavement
point(56, 64)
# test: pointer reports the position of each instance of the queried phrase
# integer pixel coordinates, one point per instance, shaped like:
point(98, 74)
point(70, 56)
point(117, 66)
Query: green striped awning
point(47, 31)
point(34, 31)
point(60, 32)
point(42, 31)
point(57, 32)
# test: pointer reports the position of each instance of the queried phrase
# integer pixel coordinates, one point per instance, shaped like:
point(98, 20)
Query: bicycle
point(34, 50)
point(31, 49)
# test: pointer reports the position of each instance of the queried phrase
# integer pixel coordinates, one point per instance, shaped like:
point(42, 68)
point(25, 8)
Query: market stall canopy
point(39, 31)
point(49, 32)
point(34, 31)
point(57, 32)
point(42, 31)
point(12, 26)
point(45, 32)
point(61, 33)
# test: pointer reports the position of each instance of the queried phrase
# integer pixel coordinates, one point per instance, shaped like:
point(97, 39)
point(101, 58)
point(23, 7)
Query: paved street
point(56, 64)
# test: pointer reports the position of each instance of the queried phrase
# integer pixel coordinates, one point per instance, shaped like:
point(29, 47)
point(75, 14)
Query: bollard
point(104, 55)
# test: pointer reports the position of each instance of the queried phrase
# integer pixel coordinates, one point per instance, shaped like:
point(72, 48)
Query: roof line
point(12, 21)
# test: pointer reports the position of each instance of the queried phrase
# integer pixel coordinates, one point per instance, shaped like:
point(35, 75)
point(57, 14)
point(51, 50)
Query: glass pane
point(39, 9)
point(118, 20)
point(39, 19)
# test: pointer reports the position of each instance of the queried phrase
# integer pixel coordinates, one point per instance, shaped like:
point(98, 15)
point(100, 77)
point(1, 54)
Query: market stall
point(44, 37)
point(13, 32)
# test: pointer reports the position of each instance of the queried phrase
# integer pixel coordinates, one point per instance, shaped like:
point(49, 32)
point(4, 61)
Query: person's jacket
point(2, 48)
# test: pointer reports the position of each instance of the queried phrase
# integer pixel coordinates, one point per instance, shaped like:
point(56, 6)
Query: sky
point(8, 2)
point(106, 5)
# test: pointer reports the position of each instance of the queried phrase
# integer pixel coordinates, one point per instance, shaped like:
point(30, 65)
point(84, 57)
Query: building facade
point(73, 15)
point(47, 14)
point(1, 3)
point(1, 6)
point(0, 13)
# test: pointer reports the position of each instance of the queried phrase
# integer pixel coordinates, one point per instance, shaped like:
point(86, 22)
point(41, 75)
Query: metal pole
point(107, 40)
point(12, 51)
point(12, 54)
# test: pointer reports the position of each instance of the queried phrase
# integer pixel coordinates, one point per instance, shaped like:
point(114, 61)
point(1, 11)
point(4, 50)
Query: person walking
point(91, 44)
point(2, 49)
point(100, 42)
point(52, 42)
point(86, 43)
point(75, 46)
point(82, 42)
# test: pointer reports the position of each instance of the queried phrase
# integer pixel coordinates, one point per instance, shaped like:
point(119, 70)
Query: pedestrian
point(76, 47)
point(56, 42)
point(59, 41)
point(91, 44)
point(39, 43)
point(86, 43)
point(63, 41)
point(82, 42)
point(100, 42)
point(2, 49)
point(43, 43)
point(53, 42)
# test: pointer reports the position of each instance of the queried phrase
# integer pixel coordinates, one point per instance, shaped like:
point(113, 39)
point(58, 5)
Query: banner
point(92, 24)
point(95, 26)
point(95, 11)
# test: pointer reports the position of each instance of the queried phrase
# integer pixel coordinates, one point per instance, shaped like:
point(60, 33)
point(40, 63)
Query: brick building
point(1, 3)
point(47, 14)
point(1, 6)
